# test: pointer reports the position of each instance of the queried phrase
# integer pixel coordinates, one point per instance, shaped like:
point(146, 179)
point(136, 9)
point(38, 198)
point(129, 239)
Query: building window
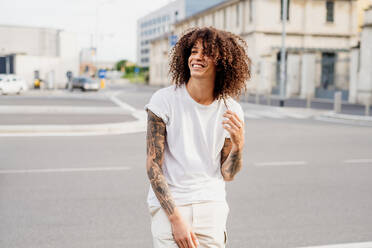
point(330, 5)
point(237, 15)
point(281, 9)
point(176, 16)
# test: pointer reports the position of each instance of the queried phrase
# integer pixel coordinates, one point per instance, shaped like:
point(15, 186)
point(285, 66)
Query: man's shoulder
point(233, 104)
point(165, 91)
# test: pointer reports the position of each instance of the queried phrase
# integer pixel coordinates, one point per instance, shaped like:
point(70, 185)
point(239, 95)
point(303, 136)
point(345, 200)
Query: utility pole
point(283, 75)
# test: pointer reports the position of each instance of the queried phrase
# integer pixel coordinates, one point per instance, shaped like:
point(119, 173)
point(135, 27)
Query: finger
point(190, 243)
point(236, 116)
point(231, 124)
point(194, 239)
point(184, 243)
point(180, 244)
point(228, 128)
point(234, 119)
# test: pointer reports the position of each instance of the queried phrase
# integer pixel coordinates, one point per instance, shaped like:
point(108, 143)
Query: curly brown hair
point(227, 50)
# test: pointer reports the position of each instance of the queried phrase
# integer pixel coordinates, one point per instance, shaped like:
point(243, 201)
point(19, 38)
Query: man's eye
point(194, 51)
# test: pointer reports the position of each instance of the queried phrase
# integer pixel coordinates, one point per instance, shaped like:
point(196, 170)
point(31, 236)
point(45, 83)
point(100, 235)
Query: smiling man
point(195, 139)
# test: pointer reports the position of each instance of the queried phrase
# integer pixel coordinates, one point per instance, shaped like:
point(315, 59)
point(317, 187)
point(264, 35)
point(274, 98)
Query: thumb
point(194, 239)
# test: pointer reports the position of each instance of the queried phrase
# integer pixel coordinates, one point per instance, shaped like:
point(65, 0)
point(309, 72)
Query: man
point(195, 138)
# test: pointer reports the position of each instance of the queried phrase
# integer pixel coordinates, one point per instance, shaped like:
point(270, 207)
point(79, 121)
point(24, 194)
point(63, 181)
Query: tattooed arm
point(156, 138)
point(231, 160)
point(231, 154)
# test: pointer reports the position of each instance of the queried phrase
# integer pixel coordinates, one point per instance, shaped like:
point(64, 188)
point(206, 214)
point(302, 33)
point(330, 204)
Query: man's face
point(201, 66)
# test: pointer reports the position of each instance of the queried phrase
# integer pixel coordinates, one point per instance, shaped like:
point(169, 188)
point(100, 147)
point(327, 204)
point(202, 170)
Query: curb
point(34, 109)
point(345, 119)
point(287, 110)
point(73, 130)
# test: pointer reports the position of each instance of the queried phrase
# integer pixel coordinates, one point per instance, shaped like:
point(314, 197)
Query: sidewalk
point(316, 103)
point(350, 113)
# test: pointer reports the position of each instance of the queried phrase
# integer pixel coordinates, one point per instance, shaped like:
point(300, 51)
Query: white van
point(12, 84)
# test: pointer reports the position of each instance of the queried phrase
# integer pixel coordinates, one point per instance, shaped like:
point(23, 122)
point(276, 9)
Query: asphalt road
point(304, 182)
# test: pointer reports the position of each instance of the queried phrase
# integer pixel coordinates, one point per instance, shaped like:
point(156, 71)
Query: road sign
point(101, 73)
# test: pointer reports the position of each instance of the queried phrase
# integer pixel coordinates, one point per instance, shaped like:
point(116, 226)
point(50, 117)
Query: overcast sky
point(116, 20)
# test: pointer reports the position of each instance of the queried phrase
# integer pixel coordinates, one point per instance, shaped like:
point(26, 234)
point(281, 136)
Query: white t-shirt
point(195, 137)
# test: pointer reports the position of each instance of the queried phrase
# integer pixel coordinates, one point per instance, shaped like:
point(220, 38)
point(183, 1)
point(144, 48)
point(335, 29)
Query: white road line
point(64, 170)
point(359, 161)
point(121, 104)
point(280, 163)
point(349, 245)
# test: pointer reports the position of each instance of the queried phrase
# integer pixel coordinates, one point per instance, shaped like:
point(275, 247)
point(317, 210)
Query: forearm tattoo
point(231, 161)
point(156, 138)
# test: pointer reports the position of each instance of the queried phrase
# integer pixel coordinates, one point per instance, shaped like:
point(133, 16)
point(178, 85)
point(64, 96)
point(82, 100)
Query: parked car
point(84, 83)
point(12, 84)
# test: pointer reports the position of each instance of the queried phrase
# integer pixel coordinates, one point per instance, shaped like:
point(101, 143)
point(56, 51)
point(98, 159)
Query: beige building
point(319, 37)
point(49, 52)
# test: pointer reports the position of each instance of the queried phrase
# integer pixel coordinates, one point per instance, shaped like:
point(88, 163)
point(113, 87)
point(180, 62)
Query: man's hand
point(182, 233)
point(235, 127)
point(231, 154)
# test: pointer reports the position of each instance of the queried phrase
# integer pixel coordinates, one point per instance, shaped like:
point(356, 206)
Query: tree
point(121, 65)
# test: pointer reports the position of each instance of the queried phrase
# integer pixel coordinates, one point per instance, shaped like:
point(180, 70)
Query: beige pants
point(207, 220)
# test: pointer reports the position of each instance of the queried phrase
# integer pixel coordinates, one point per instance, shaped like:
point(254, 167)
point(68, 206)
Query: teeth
point(197, 66)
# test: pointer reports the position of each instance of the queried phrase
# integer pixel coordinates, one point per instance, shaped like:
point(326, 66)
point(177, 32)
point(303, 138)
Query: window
point(330, 11)
point(237, 15)
point(175, 16)
point(281, 9)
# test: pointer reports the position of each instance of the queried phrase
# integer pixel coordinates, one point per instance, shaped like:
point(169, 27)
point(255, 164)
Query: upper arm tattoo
point(156, 138)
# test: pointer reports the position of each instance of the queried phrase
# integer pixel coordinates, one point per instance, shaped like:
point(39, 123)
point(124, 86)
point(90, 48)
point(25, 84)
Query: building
point(319, 37)
point(47, 51)
point(159, 22)
point(361, 64)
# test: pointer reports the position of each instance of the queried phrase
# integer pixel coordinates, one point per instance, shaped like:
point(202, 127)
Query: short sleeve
point(159, 105)
point(239, 111)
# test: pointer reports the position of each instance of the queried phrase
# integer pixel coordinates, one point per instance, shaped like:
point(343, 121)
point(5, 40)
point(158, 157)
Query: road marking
point(359, 161)
point(9, 109)
point(349, 245)
point(65, 170)
point(121, 104)
point(280, 163)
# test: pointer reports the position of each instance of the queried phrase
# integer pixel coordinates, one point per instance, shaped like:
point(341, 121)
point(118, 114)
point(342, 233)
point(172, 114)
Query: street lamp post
point(282, 54)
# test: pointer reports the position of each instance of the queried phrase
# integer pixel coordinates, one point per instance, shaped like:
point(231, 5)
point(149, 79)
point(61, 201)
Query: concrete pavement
point(108, 111)
point(84, 192)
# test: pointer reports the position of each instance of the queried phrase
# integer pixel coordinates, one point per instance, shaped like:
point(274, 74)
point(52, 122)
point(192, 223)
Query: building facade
point(157, 23)
point(319, 36)
point(50, 52)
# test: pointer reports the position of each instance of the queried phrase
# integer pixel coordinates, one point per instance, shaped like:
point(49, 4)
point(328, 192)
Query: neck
point(201, 90)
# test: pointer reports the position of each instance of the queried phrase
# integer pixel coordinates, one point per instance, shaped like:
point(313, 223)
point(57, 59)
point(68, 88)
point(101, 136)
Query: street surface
point(304, 183)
